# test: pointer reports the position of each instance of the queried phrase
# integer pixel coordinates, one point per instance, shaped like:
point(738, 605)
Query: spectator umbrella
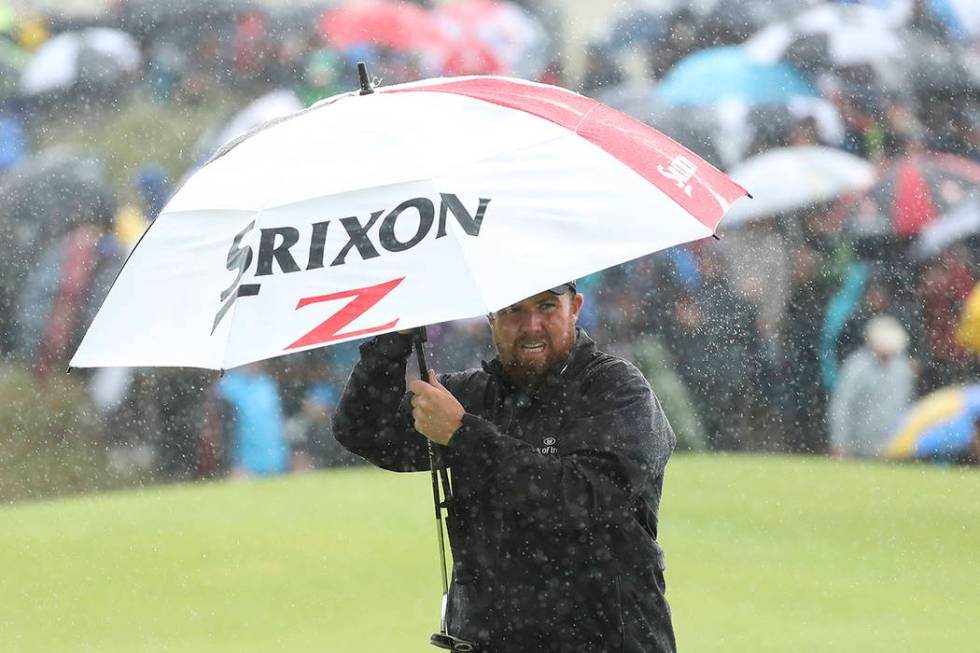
point(730, 74)
point(493, 37)
point(97, 54)
point(792, 178)
point(909, 193)
point(943, 425)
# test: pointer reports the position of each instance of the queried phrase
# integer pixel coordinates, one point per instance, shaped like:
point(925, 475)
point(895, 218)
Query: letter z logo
point(329, 330)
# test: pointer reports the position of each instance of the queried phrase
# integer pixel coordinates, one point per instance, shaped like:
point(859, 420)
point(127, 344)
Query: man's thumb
point(433, 379)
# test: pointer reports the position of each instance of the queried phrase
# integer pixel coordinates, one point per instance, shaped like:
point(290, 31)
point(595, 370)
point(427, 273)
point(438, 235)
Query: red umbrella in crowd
point(909, 193)
point(493, 37)
point(398, 26)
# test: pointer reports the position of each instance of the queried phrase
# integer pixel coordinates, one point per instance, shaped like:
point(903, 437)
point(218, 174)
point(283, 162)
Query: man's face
point(535, 335)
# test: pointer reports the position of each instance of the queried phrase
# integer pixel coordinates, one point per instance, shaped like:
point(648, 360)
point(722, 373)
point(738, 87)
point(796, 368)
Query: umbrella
point(908, 194)
point(831, 34)
point(397, 26)
point(43, 197)
point(728, 73)
point(741, 19)
point(960, 223)
point(50, 193)
point(493, 37)
point(436, 218)
point(97, 54)
point(792, 178)
point(452, 156)
point(274, 104)
point(930, 65)
point(960, 17)
point(696, 128)
point(943, 425)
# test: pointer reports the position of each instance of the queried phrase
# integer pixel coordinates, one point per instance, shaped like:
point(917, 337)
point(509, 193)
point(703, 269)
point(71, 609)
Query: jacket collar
point(582, 351)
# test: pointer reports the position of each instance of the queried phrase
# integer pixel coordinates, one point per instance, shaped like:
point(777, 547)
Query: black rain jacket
point(553, 523)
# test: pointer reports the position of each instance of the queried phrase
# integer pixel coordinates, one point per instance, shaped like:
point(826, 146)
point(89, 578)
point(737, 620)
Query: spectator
point(968, 329)
point(255, 422)
point(310, 431)
point(943, 289)
point(876, 386)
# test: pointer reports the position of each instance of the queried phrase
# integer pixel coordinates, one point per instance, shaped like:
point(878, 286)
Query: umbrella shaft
point(439, 535)
point(437, 469)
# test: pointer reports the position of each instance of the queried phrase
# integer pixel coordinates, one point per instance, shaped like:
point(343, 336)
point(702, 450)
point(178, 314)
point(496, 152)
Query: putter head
point(450, 643)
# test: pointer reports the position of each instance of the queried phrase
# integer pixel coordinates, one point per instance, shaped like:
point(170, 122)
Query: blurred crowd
point(837, 313)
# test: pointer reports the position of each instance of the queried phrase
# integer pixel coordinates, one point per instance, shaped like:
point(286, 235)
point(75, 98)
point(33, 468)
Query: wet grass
point(764, 554)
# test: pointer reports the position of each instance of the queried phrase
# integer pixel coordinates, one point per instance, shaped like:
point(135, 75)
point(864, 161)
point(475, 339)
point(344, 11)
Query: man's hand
point(437, 413)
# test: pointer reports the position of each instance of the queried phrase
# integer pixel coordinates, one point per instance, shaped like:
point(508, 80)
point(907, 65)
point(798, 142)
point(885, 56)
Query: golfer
point(557, 454)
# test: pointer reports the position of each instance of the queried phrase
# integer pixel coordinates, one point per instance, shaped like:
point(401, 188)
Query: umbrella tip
point(68, 371)
point(362, 74)
point(715, 236)
point(749, 195)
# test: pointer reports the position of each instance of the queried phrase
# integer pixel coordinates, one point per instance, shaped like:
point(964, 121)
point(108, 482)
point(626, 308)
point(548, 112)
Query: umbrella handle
point(421, 338)
point(438, 470)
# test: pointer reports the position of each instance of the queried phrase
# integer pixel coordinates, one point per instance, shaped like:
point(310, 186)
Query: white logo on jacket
point(549, 448)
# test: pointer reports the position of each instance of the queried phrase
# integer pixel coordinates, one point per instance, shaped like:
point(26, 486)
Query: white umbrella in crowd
point(62, 60)
point(791, 178)
point(852, 34)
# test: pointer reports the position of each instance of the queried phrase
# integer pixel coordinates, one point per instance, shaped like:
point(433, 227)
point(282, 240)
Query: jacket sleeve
point(374, 417)
point(612, 451)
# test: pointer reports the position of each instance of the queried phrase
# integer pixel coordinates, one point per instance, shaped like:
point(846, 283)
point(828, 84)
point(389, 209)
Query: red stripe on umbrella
point(913, 206)
point(657, 158)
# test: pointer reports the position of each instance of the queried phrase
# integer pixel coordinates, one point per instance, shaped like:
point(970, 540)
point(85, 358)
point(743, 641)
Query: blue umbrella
point(717, 74)
point(940, 426)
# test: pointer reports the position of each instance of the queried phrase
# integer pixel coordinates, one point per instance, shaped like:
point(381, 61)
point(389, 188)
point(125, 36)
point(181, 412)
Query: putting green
point(764, 554)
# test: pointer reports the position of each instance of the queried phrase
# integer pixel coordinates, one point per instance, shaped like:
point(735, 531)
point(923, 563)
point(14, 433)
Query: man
point(557, 454)
point(876, 386)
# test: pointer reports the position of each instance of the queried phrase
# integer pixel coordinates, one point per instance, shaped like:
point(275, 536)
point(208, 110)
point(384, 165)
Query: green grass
point(764, 554)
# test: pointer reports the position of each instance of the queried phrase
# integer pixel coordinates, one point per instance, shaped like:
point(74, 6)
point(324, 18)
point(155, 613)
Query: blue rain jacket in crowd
point(553, 523)
point(258, 438)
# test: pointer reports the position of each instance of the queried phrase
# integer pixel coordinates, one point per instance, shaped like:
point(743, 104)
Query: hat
point(563, 288)
point(886, 336)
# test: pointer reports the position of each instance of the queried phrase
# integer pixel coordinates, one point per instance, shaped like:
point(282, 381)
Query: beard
point(529, 371)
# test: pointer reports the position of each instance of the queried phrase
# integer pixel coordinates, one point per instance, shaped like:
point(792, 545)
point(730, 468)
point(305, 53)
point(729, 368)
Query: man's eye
point(547, 306)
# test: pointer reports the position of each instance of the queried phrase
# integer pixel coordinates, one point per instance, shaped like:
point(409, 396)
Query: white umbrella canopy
point(791, 178)
point(274, 104)
point(855, 34)
point(412, 205)
point(959, 224)
point(56, 64)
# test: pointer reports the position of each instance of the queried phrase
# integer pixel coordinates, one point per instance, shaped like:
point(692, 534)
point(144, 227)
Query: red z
point(364, 299)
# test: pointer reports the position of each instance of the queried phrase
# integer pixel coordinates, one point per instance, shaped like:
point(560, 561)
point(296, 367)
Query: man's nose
point(532, 321)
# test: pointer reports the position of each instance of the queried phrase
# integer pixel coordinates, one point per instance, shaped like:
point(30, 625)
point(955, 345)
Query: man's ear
point(577, 302)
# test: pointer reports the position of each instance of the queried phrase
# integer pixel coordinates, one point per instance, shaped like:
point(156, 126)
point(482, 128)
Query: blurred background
point(819, 362)
point(838, 314)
